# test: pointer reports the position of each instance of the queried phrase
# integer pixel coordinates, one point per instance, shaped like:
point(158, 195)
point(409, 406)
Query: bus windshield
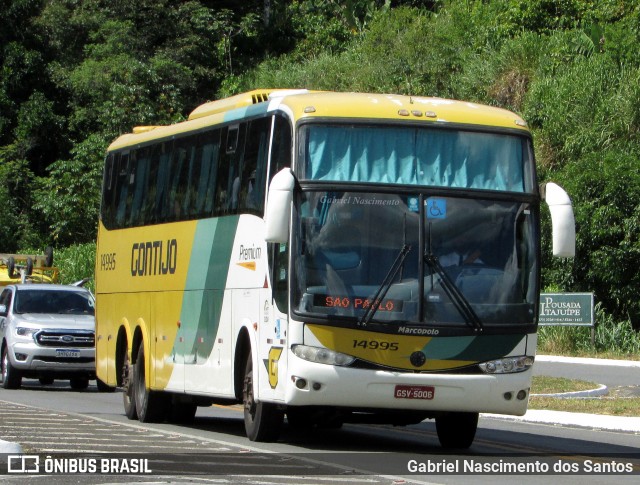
point(416, 156)
point(455, 254)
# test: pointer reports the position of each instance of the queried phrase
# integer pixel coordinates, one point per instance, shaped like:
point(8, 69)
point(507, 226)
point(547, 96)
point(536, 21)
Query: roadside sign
point(573, 309)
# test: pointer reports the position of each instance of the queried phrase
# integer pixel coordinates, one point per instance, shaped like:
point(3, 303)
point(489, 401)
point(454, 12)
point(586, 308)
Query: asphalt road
point(601, 371)
point(54, 420)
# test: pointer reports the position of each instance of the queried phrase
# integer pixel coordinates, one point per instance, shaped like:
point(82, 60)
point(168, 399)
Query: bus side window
point(229, 174)
point(254, 167)
point(189, 178)
point(108, 197)
point(281, 149)
point(138, 179)
point(208, 149)
point(162, 158)
point(122, 190)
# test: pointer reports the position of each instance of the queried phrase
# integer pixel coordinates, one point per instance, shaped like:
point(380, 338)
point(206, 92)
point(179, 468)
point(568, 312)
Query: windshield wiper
point(453, 292)
point(384, 286)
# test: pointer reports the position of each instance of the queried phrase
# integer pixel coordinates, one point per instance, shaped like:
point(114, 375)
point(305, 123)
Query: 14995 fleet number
point(376, 345)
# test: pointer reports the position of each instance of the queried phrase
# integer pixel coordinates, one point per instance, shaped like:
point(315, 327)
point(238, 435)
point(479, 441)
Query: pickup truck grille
point(65, 338)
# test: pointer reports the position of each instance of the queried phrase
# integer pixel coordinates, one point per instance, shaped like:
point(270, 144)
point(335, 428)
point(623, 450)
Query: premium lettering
point(153, 258)
point(250, 254)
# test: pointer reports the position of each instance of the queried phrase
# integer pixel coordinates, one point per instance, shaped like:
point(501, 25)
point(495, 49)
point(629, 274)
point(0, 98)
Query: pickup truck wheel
point(11, 378)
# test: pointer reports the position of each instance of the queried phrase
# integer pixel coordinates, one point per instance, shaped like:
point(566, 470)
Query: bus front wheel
point(262, 421)
point(457, 430)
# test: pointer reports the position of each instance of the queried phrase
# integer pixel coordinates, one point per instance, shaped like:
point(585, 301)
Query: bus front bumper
point(312, 384)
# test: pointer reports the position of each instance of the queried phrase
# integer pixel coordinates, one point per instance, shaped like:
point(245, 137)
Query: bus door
point(272, 331)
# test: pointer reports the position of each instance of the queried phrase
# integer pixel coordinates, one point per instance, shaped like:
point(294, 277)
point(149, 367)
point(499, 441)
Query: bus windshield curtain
point(442, 158)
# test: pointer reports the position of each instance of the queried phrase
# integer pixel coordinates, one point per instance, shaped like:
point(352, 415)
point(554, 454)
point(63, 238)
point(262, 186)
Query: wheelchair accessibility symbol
point(436, 208)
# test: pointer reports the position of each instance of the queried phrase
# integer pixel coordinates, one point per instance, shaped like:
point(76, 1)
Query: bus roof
point(305, 104)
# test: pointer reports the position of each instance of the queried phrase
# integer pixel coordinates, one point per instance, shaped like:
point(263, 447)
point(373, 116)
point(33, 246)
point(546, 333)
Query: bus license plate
point(72, 353)
point(414, 392)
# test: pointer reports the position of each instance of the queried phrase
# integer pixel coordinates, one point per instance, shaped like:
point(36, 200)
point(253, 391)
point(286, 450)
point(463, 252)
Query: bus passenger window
point(281, 149)
point(108, 190)
point(229, 175)
point(122, 190)
point(251, 197)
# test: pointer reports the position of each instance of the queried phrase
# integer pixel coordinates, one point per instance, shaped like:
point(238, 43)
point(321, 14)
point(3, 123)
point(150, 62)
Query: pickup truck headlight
point(26, 332)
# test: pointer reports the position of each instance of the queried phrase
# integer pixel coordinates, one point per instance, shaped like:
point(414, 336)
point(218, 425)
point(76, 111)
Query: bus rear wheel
point(262, 421)
point(457, 430)
point(151, 406)
point(127, 388)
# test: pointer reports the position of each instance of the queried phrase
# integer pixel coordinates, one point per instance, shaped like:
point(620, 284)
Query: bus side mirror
point(562, 220)
point(279, 207)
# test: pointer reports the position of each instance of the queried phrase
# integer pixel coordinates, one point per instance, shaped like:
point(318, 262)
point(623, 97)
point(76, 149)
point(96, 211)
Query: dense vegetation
point(76, 73)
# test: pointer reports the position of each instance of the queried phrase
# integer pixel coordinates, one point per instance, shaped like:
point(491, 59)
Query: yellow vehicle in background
point(26, 268)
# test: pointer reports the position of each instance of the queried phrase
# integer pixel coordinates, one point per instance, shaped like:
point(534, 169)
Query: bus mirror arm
point(562, 220)
point(279, 207)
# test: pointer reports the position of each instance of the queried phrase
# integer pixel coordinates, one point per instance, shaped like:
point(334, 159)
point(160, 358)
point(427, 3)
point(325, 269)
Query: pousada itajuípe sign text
point(575, 309)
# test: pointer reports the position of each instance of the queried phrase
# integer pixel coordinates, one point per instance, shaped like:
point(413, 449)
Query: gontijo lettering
point(154, 258)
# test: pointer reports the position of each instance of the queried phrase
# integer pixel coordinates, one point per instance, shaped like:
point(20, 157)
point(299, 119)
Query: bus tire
point(299, 419)
point(79, 383)
point(151, 406)
point(11, 378)
point(29, 266)
point(457, 430)
point(262, 421)
point(48, 256)
point(127, 388)
point(182, 413)
point(103, 386)
point(11, 267)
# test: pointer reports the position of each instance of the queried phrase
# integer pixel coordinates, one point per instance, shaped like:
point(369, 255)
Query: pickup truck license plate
point(414, 392)
point(72, 353)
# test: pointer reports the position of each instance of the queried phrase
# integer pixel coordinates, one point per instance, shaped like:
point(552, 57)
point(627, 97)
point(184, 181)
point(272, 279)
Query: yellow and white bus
point(330, 257)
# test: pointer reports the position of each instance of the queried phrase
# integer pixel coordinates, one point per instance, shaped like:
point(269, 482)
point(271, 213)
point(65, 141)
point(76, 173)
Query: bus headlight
point(322, 355)
point(508, 365)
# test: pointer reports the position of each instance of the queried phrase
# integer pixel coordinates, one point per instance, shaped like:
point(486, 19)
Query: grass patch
point(553, 385)
point(615, 404)
point(613, 340)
